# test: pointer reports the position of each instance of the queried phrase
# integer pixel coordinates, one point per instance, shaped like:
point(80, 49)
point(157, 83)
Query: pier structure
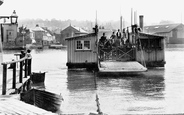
point(11, 106)
point(15, 75)
point(15, 79)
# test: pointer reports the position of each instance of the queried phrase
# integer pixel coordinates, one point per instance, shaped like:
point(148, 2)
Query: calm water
point(156, 91)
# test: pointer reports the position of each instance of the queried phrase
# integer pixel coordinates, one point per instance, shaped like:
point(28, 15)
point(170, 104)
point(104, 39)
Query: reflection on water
point(152, 92)
point(141, 85)
point(116, 92)
point(150, 87)
point(80, 80)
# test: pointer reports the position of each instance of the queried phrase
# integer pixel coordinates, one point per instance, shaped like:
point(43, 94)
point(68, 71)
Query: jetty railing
point(25, 61)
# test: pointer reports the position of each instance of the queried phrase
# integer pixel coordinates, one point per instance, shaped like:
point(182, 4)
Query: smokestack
point(131, 16)
point(135, 17)
point(123, 23)
point(120, 23)
point(141, 23)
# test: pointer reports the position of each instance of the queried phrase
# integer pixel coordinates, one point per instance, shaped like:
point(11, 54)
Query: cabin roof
point(81, 36)
point(161, 28)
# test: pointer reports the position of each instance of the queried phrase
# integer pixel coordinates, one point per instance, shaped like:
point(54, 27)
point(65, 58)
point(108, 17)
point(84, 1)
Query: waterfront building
point(42, 36)
point(9, 30)
point(174, 32)
point(71, 31)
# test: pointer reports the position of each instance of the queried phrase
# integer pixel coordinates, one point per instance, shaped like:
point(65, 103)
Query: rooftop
point(160, 28)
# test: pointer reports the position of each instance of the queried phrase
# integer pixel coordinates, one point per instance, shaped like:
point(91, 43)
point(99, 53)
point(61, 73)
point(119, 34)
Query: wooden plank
point(12, 106)
point(117, 66)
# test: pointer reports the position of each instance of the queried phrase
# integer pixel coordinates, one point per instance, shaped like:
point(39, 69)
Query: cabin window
point(86, 45)
point(79, 44)
point(83, 45)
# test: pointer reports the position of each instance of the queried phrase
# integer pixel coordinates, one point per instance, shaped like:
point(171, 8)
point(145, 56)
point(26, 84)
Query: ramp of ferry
point(117, 66)
point(119, 59)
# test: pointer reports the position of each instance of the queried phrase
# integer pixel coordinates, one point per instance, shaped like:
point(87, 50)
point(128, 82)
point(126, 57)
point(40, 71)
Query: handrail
point(25, 61)
point(15, 61)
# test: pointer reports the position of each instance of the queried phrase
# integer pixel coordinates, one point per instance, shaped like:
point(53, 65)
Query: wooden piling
point(20, 72)
point(29, 66)
point(14, 76)
point(25, 67)
point(4, 79)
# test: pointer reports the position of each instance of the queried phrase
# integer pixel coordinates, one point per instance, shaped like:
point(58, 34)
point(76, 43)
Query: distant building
point(71, 31)
point(42, 36)
point(57, 34)
point(174, 32)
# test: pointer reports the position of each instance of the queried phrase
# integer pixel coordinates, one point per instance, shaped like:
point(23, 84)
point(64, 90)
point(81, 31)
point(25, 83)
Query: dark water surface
point(157, 91)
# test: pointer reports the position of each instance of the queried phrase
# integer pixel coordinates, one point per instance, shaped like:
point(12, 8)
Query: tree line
point(54, 24)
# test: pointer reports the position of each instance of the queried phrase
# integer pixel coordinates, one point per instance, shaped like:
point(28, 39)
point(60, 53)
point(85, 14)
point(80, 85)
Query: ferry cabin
point(151, 50)
point(85, 52)
point(82, 51)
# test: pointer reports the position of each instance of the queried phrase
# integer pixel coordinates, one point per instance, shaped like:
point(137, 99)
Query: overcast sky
point(153, 10)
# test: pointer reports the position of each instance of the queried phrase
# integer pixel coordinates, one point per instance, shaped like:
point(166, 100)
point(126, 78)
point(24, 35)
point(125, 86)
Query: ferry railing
point(25, 61)
point(117, 53)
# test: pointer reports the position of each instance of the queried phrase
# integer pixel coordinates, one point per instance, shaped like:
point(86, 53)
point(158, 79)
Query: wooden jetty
point(11, 106)
point(13, 82)
point(18, 78)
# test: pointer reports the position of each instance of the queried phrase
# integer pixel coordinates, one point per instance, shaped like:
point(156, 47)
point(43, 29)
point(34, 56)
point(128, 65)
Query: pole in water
point(98, 106)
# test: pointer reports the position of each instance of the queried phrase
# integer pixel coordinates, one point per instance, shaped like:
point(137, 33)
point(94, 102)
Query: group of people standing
point(118, 39)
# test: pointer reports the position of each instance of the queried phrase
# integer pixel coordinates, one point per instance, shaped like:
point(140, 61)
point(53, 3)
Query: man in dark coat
point(118, 34)
point(103, 39)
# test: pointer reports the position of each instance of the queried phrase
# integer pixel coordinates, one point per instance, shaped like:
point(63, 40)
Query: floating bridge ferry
point(140, 52)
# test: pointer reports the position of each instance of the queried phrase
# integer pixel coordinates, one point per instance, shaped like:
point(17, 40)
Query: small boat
point(42, 99)
point(37, 77)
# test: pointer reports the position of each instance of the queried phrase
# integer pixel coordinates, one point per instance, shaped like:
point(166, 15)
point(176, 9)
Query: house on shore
point(71, 31)
point(42, 36)
point(174, 33)
point(57, 34)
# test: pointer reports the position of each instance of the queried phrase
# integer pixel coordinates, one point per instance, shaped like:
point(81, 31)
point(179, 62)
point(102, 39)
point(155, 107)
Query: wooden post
point(29, 66)
point(25, 67)
point(14, 76)
point(20, 72)
point(4, 79)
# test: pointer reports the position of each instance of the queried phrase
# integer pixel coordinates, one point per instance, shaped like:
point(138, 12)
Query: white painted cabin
point(82, 51)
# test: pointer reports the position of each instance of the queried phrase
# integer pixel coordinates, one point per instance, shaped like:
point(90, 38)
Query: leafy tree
point(21, 31)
